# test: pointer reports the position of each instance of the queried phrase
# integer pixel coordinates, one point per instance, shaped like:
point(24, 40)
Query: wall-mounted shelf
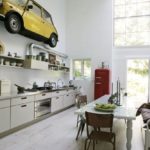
point(8, 61)
point(59, 68)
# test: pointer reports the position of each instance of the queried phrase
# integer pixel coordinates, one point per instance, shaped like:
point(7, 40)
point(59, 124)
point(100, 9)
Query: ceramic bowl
point(13, 63)
point(19, 64)
point(7, 63)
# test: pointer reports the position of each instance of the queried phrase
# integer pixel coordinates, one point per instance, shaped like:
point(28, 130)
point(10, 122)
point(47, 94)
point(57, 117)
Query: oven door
point(42, 107)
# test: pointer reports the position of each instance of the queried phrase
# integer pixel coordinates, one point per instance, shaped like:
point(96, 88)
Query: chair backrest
point(99, 120)
point(81, 100)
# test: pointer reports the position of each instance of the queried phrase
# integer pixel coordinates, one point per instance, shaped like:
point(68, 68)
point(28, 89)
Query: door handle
point(99, 83)
point(24, 106)
point(24, 98)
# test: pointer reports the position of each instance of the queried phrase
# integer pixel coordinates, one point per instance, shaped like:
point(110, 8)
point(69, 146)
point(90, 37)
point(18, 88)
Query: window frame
point(113, 32)
point(82, 68)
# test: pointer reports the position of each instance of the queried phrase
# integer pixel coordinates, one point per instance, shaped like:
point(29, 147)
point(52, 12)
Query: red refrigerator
point(102, 82)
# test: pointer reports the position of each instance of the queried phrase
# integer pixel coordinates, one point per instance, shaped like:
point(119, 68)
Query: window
point(82, 68)
point(131, 22)
point(19, 2)
point(47, 16)
point(36, 9)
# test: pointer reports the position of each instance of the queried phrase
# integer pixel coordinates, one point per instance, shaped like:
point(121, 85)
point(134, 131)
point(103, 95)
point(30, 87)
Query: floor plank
point(59, 131)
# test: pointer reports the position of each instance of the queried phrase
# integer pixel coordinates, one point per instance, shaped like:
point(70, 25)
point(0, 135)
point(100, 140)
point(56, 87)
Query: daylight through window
point(82, 68)
point(131, 22)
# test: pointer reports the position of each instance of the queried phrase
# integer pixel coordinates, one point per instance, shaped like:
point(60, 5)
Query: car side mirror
point(29, 7)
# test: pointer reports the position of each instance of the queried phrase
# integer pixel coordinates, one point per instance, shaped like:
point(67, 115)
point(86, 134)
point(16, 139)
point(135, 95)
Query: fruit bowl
point(105, 107)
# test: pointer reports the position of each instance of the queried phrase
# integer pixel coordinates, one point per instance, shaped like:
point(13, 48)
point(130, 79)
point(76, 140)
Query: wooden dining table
point(126, 112)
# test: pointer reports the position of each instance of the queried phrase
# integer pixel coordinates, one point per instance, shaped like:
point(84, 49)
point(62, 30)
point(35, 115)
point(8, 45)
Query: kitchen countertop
point(15, 94)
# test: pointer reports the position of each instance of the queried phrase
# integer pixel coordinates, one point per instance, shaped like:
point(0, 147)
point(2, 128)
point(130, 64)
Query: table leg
point(129, 134)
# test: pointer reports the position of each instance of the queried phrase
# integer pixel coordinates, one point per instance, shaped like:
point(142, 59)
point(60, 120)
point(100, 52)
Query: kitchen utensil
point(42, 54)
point(19, 64)
point(20, 89)
point(13, 63)
point(38, 57)
point(7, 63)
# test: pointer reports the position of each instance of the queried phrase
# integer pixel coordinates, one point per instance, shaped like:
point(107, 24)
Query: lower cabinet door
point(21, 114)
point(69, 99)
point(5, 119)
point(56, 103)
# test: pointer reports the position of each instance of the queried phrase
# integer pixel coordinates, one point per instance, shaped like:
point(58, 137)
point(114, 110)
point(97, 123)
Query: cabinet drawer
point(21, 100)
point(42, 96)
point(57, 93)
point(21, 114)
point(5, 103)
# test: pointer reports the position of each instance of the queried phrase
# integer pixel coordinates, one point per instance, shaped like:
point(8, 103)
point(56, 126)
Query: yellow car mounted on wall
point(28, 18)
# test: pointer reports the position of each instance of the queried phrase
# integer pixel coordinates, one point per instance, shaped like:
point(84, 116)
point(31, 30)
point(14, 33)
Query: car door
point(48, 24)
point(33, 18)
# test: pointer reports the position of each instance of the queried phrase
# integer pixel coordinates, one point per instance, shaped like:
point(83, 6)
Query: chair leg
point(93, 145)
point(77, 120)
point(89, 145)
point(114, 144)
point(80, 127)
point(85, 144)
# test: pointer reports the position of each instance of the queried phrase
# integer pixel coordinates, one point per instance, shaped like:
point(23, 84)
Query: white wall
point(120, 57)
point(18, 43)
point(89, 34)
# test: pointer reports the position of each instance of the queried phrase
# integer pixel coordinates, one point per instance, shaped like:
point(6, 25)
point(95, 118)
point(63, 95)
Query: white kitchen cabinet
point(5, 119)
point(21, 114)
point(22, 100)
point(73, 98)
point(69, 99)
point(4, 115)
point(57, 103)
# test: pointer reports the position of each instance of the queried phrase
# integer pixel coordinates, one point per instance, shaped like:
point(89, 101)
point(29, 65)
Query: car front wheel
point(53, 40)
point(13, 23)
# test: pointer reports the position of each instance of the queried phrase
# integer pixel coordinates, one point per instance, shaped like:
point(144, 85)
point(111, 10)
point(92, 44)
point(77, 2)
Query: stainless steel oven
point(42, 107)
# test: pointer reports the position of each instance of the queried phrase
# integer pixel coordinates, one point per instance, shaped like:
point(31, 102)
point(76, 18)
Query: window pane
point(131, 25)
point(77, 68)
point(120, 26)
point(132, 22)
point(143, 24)
point(143, 38)
point(120, 11)
point(119, 40)
point(36, 9)
point(131, 10)
point(131, 1)
point(120, 2)
point(131, 39)
point(87, 68)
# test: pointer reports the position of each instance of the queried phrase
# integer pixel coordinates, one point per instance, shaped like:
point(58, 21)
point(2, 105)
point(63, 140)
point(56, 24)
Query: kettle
point(71, 83)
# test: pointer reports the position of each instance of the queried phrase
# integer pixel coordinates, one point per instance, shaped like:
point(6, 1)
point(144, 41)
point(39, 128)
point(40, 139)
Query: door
point(137, 81)
point(33, 18)
point(47, 23)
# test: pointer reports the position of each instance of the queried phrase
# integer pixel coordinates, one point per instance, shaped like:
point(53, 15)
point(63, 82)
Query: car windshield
point(19, 2)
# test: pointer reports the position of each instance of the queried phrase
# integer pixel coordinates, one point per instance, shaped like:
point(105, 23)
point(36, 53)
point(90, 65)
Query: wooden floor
point(59, 131)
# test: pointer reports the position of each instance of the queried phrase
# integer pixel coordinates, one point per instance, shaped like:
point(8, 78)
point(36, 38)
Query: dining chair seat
point(99, 122)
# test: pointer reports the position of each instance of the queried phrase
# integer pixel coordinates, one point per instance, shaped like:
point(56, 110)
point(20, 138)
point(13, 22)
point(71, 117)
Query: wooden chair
point(81, 100)
point(98, 122)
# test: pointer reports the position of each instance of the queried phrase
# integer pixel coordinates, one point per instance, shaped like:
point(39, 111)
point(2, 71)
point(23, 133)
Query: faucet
point(58, 83)
point(46, 84)
point(53, 83)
